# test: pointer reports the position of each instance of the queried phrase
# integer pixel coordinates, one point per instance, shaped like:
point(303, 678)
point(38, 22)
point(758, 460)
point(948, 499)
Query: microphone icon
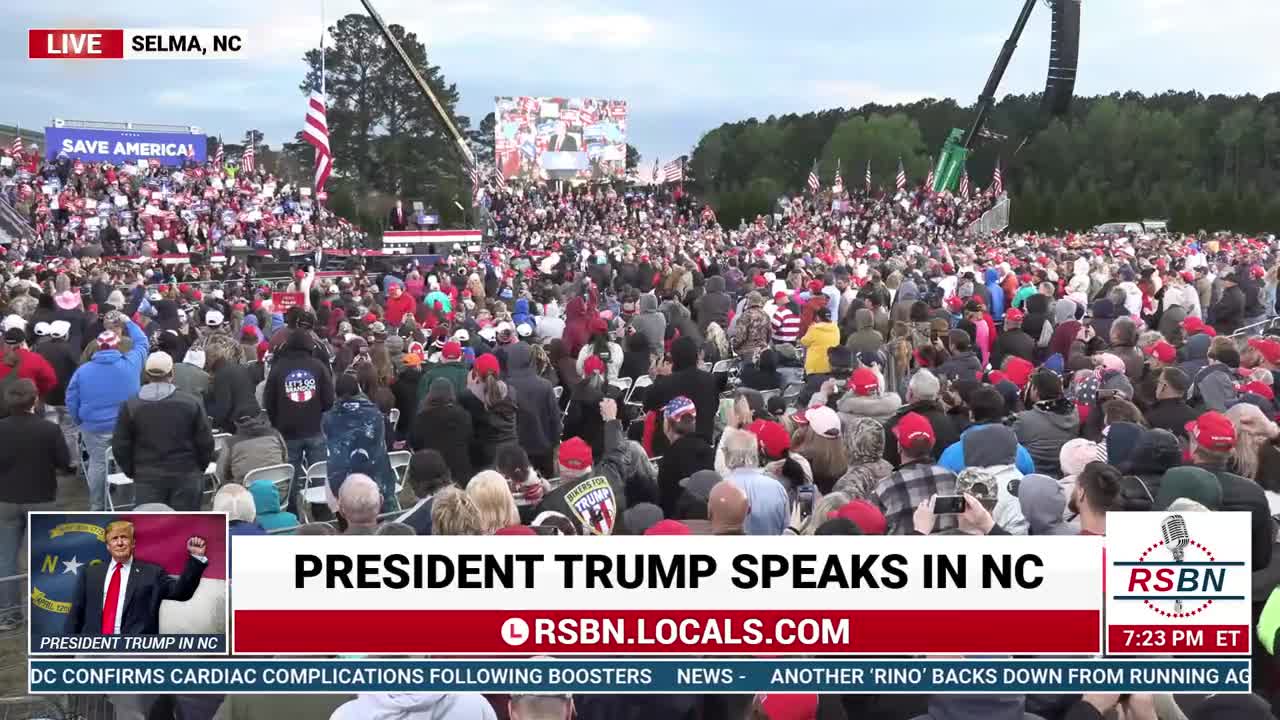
point(1174, 530)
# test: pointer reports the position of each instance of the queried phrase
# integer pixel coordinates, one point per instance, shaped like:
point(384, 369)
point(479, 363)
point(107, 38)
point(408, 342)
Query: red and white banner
point(658, 595)
point(137, 44)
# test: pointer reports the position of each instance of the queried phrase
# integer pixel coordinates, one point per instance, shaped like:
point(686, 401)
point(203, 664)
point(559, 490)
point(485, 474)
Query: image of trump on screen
point(123, 596)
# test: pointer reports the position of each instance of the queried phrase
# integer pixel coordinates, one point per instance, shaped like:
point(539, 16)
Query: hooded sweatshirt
point(992, 278)
point(867, 466)
point(1043, 502)
point(650, 323)
point(416, 706)
point(819, 339)
point(266, 500)
point(537, 411)
point(255, 444)
point(1044, 429)
point(714, 307)
point(864, 337)
point(355, 433)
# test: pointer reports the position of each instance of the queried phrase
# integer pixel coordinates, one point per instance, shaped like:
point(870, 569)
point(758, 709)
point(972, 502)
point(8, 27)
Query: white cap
point(14, 321)
point(57, 328)
point(489, 333)
point(524, 329)
point(461, 336)
point(218, 293)
point(505, 326)
point(823, 421)
point(154, 296)
point(213, 318)
point(42, 329)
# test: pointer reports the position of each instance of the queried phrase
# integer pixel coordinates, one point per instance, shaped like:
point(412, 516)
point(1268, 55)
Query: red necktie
point(109, 606)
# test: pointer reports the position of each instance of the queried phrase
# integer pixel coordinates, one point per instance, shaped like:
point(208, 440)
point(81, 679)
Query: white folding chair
point(314, 494)
point(706, 367)
point(643, 381)
point(559, 391)
point(622, 384)
point(211, 472)
point(394, 416)
point(400, 464)
point(723, 366)
point(115, 479)
point(280, 475)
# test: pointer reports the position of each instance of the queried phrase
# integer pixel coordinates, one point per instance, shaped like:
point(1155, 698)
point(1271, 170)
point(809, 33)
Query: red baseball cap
point(598, 325)
point(1018, 371)
point(575, 454)
point(1260, 389)
point(1269, 348)
point(593, 365)
point(866, 516)
point(487, 364)
point(913, 427)
point(789, 707)
point(452, 350)
point(1162, 351)
point(668, 527)
point(864, 381)
point(1213, 431)
point(779, 298)
point(1014, 315)
point(1193, 325)
point(1188, 276)
point(759, 281)
point(773, 438)
point(815, 286)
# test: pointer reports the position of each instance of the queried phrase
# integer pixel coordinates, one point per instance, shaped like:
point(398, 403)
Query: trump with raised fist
point(123, 596)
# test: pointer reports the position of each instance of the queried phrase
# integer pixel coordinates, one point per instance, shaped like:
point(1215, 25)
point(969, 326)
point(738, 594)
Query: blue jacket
point(100, 386)
point(953, 458)
point(266, 500)
point(997, 294)
point(356, 434)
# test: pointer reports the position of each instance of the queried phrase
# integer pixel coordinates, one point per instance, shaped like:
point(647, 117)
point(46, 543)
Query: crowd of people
point(828, 370)
point(77, 208)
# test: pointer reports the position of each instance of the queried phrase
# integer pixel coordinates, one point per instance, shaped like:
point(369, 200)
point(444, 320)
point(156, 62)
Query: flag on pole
point(15, 148)
point(814, 183)
point(964, 184)
point(837, 185)
point(315, 130)
point(246, 161)
point(868, 175)
point(928, 182)
point(477, 190)
point(673, 171)
point(997, 180)
point(657, 167)
point(217, 155)
point(901, 179)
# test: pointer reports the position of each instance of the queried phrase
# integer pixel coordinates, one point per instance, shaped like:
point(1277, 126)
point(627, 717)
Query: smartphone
point(948, 504)
point(545, 530)
point(806, 496)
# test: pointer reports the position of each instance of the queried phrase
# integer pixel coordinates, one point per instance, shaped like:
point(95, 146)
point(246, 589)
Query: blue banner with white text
point(119, 146)
point(601, 675)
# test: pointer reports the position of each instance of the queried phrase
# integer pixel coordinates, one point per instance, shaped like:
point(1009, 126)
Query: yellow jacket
point(818, 339)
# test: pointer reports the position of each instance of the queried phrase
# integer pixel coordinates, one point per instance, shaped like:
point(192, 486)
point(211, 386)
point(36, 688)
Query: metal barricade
point(993, 220)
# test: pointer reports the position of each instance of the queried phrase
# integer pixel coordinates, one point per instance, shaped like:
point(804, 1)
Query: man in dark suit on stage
point(122, 597)
point(398, 219)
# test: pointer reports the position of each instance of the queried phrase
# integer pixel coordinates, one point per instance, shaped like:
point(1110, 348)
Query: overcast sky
point(685, 67)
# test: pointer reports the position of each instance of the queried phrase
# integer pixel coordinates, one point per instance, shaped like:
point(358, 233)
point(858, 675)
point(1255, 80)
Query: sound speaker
point(1064, 56)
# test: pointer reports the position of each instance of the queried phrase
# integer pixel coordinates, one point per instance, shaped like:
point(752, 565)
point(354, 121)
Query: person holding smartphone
point(916, 480)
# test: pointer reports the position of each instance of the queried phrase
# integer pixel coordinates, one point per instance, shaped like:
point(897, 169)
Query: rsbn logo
point(1176, 576)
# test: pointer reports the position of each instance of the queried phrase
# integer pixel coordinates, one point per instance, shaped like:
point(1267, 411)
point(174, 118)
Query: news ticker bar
point(589, 676)
point(183, 644)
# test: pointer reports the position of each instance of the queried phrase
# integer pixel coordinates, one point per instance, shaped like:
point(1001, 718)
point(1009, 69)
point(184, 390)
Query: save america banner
point(119, 146)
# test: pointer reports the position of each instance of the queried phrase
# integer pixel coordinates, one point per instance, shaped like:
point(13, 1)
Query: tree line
point(1201, 162)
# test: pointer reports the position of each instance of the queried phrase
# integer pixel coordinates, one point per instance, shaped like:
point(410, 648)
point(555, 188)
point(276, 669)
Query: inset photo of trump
point(128, 583)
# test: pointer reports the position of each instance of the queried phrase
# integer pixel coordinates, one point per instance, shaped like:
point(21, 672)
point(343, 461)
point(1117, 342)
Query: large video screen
point(548, 138)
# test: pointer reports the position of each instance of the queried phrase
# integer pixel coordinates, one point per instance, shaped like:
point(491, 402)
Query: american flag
point(477, 190)
point(964, 184)
point(673, 171)
point(15, 147)
point(217, 156)
point(997, 180)
point(814, 182)
point(901, 180)
point(315, 130)
point(246, 161)
point(837, 185)
point(868, 175)
point(928, 181)
point(657, 166)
